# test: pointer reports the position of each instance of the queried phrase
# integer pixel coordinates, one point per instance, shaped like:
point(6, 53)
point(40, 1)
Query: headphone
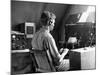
point(49, 22)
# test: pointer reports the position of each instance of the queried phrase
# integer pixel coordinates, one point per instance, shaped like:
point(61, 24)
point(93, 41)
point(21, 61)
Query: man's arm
point(51, 45)
point(54, 50)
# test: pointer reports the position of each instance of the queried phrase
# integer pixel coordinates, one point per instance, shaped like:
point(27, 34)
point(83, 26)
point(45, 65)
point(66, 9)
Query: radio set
point(20, 34)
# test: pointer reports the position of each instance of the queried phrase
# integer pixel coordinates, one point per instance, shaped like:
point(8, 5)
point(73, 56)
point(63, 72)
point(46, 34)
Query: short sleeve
point(49, 43)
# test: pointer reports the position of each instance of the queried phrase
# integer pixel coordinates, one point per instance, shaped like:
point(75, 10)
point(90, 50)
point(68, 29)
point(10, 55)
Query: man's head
point(48, 19)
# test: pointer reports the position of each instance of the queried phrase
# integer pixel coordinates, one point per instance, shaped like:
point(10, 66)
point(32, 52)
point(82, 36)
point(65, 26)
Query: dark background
point(22, 11)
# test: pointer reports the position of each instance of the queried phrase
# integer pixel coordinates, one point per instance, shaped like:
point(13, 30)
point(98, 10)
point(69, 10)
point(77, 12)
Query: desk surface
point(20, 51)
point(85, 49)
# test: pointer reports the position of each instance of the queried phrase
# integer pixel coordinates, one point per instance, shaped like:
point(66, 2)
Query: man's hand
point(63, 53)
point(64, 50)
point(61, 50)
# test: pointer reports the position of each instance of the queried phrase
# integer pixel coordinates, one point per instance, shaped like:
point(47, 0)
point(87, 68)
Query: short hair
point(46, 16)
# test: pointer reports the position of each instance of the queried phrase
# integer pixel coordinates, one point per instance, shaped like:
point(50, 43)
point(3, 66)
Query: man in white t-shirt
point(43, 40)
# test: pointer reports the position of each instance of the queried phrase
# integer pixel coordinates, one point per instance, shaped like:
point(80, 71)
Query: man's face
point(52, 22)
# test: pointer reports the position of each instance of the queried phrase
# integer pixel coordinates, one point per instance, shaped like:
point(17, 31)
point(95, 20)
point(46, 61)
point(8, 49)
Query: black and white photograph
point(52, 37)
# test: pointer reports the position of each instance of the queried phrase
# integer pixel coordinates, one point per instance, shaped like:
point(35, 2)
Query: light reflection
point(86, 14)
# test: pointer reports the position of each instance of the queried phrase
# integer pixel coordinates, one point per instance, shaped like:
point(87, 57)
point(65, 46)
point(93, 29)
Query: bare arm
point(54, 51)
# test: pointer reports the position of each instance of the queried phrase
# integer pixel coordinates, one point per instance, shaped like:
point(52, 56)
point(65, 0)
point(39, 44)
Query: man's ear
point(48, 23)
